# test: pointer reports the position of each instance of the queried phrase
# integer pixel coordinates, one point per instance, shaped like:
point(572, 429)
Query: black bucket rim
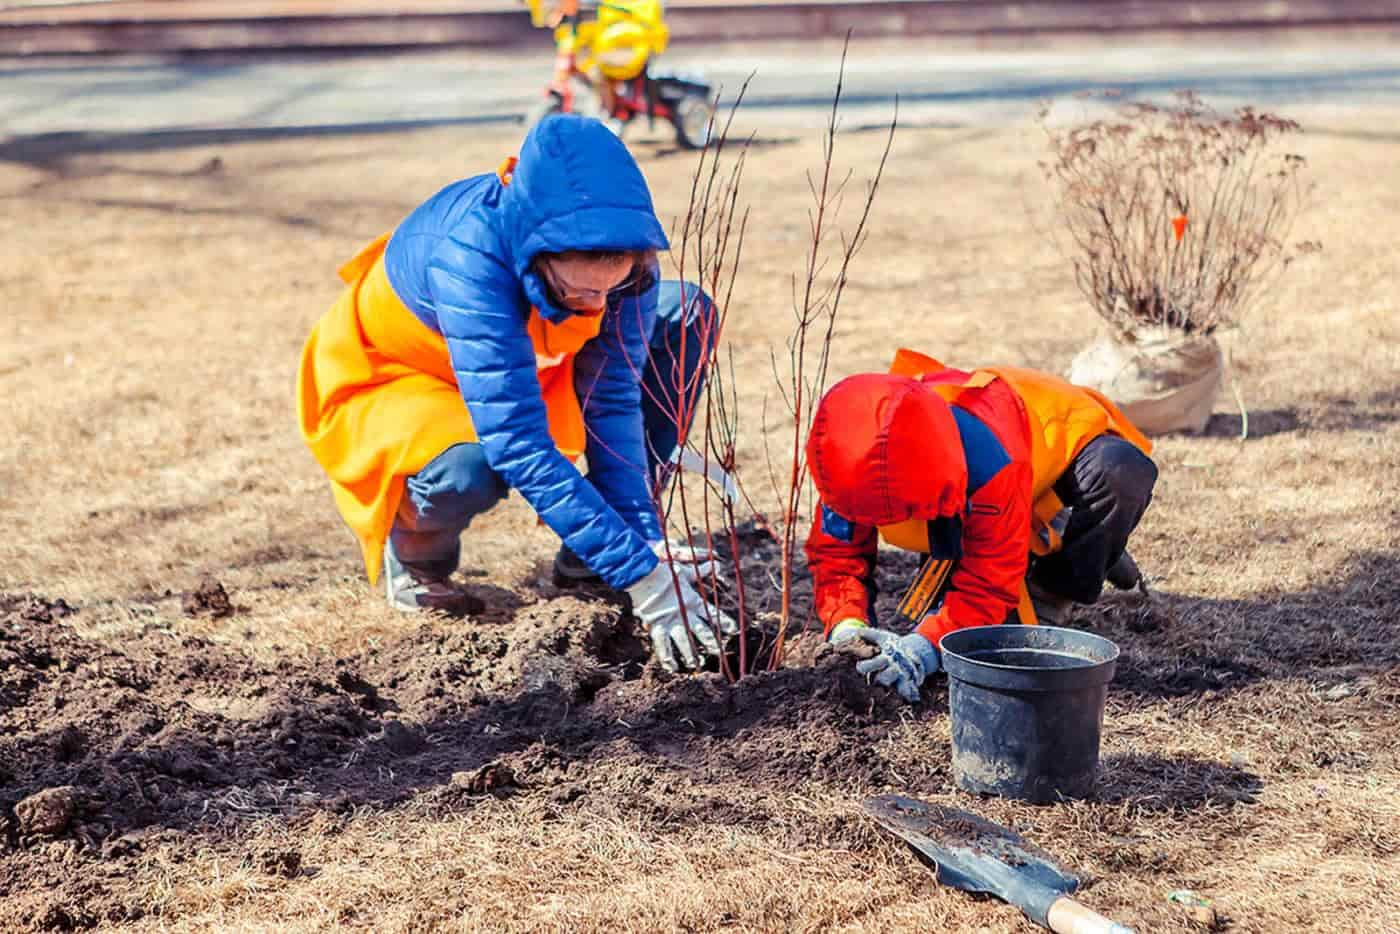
point(998, 676)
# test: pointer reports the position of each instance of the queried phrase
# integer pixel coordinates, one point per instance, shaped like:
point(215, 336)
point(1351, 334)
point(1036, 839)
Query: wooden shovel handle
point(1067, 916)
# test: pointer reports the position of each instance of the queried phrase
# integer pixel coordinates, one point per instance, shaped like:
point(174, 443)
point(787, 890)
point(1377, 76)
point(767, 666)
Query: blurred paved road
point(791, 86)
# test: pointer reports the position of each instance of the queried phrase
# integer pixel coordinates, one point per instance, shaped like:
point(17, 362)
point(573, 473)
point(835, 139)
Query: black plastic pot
point(1026, 704)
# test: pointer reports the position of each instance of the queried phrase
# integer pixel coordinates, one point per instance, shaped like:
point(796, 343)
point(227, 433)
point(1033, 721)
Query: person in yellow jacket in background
point(1022, 489)
point(512, 323)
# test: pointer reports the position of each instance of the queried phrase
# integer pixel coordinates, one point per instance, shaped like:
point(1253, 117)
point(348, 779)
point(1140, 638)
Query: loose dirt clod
point(209, 599)
point(283, 863)
point(47, 813)
point(486, 779)
point(70, 744)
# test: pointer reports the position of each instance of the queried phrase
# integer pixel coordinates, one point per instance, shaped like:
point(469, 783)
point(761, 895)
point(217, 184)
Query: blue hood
point(576, 187)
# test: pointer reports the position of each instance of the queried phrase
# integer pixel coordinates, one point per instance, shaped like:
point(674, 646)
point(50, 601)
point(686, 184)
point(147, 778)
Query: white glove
point(657, 600)
point(693, 561)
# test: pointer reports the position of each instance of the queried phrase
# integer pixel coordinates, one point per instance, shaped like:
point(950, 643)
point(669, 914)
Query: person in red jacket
point(950, 464)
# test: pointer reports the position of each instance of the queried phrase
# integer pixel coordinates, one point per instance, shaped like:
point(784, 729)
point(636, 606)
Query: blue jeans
point(458, 485)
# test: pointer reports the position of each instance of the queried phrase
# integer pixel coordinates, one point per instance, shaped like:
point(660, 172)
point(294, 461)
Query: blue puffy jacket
point(462, 263)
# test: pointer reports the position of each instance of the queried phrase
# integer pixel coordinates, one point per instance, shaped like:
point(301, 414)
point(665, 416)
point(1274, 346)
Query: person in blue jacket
point(511, 323)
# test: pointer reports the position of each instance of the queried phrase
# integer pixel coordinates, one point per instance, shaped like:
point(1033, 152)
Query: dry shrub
point(710, 247)
point(833, 242)
point(1175, 215)
point(711, 239)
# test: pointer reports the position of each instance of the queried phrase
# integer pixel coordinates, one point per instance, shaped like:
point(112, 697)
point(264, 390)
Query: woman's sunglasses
point(563, 293)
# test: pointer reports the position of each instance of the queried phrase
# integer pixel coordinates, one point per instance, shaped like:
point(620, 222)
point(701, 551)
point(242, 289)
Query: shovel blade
point(974, 854)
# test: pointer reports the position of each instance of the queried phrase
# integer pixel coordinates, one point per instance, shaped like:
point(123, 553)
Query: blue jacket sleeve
point(607, 376)
point(482, 317)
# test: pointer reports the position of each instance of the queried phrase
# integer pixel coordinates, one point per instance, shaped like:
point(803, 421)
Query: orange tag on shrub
point(1179, 226)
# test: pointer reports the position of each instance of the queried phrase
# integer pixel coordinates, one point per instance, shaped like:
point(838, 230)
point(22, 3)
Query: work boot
point(1051, 609)
point(570, 571)
point(1124, 574)
point(412, 591)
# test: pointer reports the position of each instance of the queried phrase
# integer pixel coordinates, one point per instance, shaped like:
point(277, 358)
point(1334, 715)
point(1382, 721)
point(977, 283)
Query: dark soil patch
point(182, 740)
point(33, 608)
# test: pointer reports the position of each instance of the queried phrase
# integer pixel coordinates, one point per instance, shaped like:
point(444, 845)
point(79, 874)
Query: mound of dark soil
point(110, 744)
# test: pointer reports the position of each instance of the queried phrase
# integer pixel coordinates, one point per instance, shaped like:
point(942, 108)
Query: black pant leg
point(1106, 488)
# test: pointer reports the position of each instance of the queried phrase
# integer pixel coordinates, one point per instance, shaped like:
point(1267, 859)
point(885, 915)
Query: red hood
point(884, 449)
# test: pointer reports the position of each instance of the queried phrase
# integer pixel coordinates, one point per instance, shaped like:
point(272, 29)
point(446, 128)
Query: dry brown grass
point(153, 313)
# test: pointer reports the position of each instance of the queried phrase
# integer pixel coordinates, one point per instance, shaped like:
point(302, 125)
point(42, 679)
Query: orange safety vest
point(377, 398)
point(1061, 417)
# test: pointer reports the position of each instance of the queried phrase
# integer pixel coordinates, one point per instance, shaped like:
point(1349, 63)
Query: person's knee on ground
point(439, 503)
point(1107, 489)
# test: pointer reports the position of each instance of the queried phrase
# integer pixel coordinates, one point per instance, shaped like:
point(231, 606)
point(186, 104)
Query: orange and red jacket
point(1039, 422)
point(992, 441)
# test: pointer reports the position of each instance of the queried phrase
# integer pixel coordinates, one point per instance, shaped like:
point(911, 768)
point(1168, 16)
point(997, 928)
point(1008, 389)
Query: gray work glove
point(903, 663)
point(657, 600)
